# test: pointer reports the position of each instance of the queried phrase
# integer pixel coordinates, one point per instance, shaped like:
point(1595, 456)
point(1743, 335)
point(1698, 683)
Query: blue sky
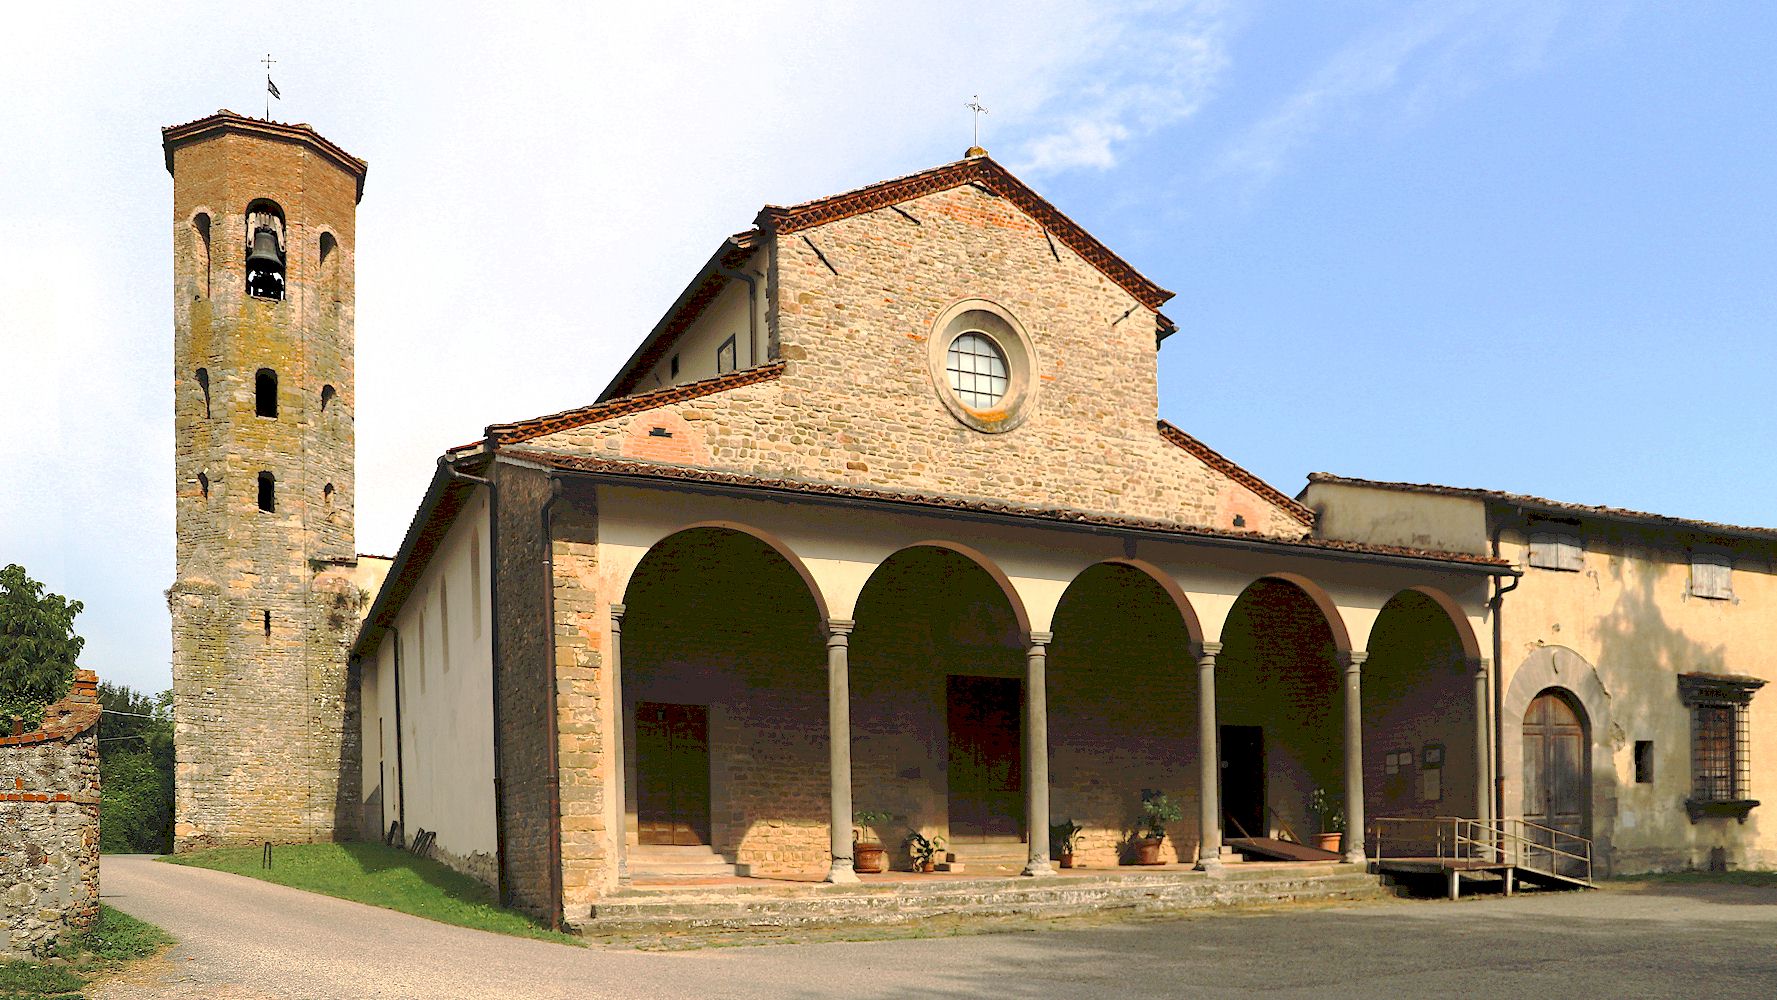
point(1527, 246)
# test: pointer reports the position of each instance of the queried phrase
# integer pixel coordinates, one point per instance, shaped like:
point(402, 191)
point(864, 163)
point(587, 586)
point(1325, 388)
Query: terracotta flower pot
point(1147, 850)
point(1065, 860)
point(1329, 841)
point(870, 859)
point(928, 867)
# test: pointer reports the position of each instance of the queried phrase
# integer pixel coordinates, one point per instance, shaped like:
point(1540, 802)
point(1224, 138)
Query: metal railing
point(1458, 839)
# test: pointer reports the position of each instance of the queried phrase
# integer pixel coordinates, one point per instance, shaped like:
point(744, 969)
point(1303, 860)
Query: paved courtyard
point(240, 938)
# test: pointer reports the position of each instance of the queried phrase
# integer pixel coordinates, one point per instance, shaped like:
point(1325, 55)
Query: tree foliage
point(38, 646)
point(135, 771)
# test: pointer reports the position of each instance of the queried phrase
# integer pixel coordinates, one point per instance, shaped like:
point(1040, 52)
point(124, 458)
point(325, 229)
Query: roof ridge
point(1221, 463)
point(524, 430)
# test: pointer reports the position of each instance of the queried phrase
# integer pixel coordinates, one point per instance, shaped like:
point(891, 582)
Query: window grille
point(978, 371)
point(1721, 742)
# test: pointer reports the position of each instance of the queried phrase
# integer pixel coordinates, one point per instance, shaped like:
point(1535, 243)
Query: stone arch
point(770, 541)
point(1565, 671)
point(1193, 626)
point(1423, 720)
point(1322, 600)
point(1465, 633)
point(991, 568)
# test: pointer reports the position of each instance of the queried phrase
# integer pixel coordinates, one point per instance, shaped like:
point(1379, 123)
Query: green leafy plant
point(1328, 810)
point(865, 820)
point(135, 771)
point(38, 647)
point(923, 848)
point(1063, 836)
point(1156, 811)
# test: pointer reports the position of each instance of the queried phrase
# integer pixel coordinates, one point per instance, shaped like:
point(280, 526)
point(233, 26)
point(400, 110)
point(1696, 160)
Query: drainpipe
point(1497, 603)
point(493, 604)
point(400, 762)
point(752, 312)
point(553, 764)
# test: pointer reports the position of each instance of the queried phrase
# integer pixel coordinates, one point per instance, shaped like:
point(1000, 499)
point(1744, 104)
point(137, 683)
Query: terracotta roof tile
point(1215, 460)
point(525, 430)
point(1551, 506)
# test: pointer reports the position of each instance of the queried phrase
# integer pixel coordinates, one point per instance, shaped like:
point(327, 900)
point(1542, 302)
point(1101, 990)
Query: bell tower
point(265, 605)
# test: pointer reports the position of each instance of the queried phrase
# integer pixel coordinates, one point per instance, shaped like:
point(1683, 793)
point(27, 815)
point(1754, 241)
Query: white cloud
point(1407, 66)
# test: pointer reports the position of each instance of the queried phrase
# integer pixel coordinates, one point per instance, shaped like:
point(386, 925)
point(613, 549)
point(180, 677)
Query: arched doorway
point(724, 706)
point(1419, 708)
point(1557, 771)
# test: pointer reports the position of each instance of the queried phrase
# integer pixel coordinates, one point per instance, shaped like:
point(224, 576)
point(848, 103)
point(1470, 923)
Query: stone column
point(1483, 759)
point(618, 729)
point(839, 749)
point(1354, 758)
point(1209, 762)
point(1036, 753)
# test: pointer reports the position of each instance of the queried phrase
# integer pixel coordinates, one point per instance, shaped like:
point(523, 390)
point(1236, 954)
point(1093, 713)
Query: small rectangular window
point(672, 367)
point(725, 357)
point(1721, 740)
point(1644, 762)
point(1712, 576)
point(1557, 550)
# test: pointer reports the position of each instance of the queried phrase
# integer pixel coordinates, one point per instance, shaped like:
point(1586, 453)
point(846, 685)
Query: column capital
point(1353, 659)
point(1208, 650)
point(1041, 638)
point(1481, 664)
point(839, 628)
point(617, 611)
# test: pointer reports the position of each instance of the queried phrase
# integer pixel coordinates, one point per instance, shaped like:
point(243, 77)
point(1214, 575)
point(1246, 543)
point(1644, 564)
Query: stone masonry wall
point(582, 631)
point(856, 403)
point(49, 825)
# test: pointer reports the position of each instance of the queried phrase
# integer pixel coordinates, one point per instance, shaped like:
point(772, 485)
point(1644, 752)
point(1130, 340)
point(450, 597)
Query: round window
point(977, 369)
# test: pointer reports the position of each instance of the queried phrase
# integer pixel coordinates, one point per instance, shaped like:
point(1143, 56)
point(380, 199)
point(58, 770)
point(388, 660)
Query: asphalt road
point(246, 940)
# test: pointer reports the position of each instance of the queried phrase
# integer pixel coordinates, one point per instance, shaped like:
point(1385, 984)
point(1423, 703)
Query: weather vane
point(271, 89)
point(975, 106)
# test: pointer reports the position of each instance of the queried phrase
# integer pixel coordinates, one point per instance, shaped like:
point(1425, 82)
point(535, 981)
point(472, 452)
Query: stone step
point(656, 861)
point(987, 897)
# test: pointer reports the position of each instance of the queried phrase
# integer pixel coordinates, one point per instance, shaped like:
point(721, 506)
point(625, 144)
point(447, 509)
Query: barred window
point(978, 373)
point(1721, 760)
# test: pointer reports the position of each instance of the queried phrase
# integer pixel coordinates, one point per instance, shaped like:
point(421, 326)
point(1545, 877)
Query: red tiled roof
point(1215, 460)
point(228, 121)
point(1550, 506)
point(981, 170)
point(525, 430)
point(585, 463)
point(691, 303)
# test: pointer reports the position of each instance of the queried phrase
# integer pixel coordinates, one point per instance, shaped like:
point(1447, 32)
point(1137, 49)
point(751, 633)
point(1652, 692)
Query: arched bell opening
point(266, 251)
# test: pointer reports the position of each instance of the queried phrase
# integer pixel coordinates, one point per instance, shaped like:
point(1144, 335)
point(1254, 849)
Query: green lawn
point(380, 876)
point(114, 939)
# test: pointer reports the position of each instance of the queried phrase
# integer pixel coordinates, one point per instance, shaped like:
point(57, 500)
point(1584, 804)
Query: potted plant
point(924, 849)
point(1156, 811)
point(1329, 815)
point(868, 856)
point(1063, 836)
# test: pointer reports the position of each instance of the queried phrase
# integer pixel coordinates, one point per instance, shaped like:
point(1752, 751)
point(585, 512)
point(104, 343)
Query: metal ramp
point(1454, 846)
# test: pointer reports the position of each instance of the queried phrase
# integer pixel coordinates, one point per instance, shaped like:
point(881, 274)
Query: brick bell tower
point(265, 605)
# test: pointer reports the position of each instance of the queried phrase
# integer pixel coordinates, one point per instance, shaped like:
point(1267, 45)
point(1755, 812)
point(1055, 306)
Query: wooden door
point(672, 774)
point(986, 758)
point(1243, 780)
point(1557, 773)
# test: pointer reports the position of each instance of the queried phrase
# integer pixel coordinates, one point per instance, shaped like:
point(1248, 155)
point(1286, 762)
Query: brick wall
point(49, 825)
point(582, 631)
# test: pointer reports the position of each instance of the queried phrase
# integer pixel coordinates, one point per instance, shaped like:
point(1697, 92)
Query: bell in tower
point(265, 254)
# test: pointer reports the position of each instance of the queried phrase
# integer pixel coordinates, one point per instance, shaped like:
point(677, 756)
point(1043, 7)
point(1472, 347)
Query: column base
point(1356, 857)
point(1038, 869)
point(1211, 864)
point(841, 872)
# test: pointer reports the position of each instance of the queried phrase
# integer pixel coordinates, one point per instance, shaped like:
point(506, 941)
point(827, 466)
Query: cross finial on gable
point(975, 148)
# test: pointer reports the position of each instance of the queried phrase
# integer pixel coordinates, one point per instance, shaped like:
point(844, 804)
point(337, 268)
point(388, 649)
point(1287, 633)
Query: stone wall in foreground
point(49, 825)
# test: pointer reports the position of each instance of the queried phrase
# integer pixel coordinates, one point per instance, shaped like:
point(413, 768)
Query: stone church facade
point(880, 518)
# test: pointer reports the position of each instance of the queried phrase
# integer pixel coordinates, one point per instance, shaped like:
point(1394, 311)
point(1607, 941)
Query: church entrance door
point(672, 774)
point(986, 759)
point(1557, 790)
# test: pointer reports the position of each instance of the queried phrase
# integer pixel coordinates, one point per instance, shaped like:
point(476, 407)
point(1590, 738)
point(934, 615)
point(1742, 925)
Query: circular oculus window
point(981, 362)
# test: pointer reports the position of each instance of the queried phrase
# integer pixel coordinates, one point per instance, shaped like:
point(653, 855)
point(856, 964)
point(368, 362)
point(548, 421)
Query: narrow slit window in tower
point(265, 393)
point(200, 225)
point(203, 483)
point(203, 382)
point(268, 492)
point(327, 395)
point(327, 494)
point(330, 268)
point(267, 618)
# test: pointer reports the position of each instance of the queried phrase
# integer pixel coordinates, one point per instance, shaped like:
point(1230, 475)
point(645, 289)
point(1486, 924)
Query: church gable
point(866, 306)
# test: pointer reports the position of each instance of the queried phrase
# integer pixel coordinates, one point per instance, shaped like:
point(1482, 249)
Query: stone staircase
point(997, 857)
point(656, 862)
point(781, 904)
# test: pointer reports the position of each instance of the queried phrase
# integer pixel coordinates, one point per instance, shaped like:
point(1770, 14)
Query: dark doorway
point(986, 758)
point(672, 774)
point(1243, 780)
point(1557, 765)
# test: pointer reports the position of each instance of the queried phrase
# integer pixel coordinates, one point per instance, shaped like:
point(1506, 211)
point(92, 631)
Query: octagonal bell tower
point(264, 606)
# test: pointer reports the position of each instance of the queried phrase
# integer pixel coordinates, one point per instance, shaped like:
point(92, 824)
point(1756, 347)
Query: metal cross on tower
point(975, 106)
point(271, 89)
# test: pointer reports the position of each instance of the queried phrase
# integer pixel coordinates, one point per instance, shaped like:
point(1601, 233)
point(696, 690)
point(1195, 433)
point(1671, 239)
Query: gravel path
point(248, 940)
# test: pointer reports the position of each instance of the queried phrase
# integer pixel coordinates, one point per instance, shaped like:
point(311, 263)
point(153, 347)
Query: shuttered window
point(1557, 550)
point(1712, 576)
